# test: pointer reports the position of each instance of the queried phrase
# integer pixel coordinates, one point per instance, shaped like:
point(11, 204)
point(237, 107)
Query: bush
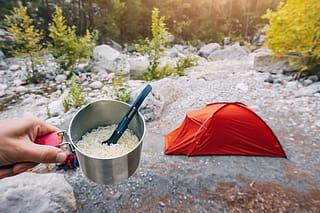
point(67, 47)
point(295, 29)
point(155, 47)
point(76, 96)
point(186, 62)
point(26, 41)
point(120, 88)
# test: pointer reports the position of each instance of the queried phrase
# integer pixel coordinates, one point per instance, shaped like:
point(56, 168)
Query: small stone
point(117, 195)
point(14, 67)
point(269, 79)
point(3, 86)
point(313, 78)
point(307, 82)
point(21, 89)
point(162, 204)
point(96, 85)
point(55, 108)
point(60, 78)
point(3, 65)
point(17, 82)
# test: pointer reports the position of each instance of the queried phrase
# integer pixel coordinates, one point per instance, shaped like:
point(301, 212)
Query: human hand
point(18, 150)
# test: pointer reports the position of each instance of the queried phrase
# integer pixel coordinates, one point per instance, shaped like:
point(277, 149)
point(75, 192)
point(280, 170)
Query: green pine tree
point(67, 47)
point(26, 40)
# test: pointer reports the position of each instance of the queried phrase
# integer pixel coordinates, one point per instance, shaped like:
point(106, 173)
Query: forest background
point(128, 21)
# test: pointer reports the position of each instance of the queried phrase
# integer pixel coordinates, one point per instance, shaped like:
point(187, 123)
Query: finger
point(42, 128)
point(44, 154)
point(6, 172)
point(22, 167)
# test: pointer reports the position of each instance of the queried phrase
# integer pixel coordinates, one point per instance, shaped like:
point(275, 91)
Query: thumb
point(44, 154)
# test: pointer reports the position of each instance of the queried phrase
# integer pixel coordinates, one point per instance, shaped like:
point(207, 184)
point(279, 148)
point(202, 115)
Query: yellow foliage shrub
point(295, 29)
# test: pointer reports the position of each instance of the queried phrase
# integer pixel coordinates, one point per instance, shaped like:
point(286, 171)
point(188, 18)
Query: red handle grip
point(51, 139)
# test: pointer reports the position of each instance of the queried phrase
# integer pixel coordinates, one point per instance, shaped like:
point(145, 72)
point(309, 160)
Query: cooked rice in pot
point(90, 142)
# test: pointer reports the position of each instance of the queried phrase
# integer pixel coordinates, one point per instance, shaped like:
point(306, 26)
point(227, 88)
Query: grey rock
point(60, 78)
point(310, 90)
point(307, 82)
point(105, 52)
point(1, 55)
point(226, 41)
point(3, 86)
point(56, 108)
point(138, 65)
point(96, 85)
point(108, 59)
point(206, 50)
point(6, 96)
point(17, 82)
point(30, 99)
point(30, 192)
point(83, 67)
point(154, 103)
point(175, 51)
point(167, 61)
point(3, 65)
point(21, 89)
point(293, 85)
point(230, 52)
point(313, 78)
point(14, 67)
point(269, 79)
point(115, 45)
point(265, 61)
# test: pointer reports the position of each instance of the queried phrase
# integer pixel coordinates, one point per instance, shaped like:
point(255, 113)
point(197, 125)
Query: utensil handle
point(142, 96)
point(133, 109)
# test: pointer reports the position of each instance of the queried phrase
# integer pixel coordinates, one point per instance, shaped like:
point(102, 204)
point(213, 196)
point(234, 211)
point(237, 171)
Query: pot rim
point(110, 158)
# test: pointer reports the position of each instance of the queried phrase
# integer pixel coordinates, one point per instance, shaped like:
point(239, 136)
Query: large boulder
point(265, 61)
point(206, 50)
point(154, 103)
point(108, 59)
point(138, 65)
point(30, 192)
point(164, 91)
point(230, 52)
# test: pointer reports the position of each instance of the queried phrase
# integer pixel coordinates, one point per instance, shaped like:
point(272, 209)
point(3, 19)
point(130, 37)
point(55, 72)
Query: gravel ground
point(166, 183)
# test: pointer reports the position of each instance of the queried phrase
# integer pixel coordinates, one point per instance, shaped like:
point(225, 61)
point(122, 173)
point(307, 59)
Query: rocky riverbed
point(167, 183)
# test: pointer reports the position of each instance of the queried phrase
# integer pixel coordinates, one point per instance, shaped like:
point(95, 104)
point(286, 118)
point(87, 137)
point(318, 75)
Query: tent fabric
point(223, 129)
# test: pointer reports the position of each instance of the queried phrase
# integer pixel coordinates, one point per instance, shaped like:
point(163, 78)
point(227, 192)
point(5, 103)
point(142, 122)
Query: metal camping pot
point(102, 113)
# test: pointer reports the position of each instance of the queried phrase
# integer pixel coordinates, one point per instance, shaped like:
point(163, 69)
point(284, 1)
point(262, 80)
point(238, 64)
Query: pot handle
point(56, 139)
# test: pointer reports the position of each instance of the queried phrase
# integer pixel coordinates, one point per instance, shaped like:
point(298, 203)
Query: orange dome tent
point(223, 128)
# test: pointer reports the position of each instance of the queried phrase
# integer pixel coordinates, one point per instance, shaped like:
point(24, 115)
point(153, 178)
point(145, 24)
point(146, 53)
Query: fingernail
point(61, 157)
